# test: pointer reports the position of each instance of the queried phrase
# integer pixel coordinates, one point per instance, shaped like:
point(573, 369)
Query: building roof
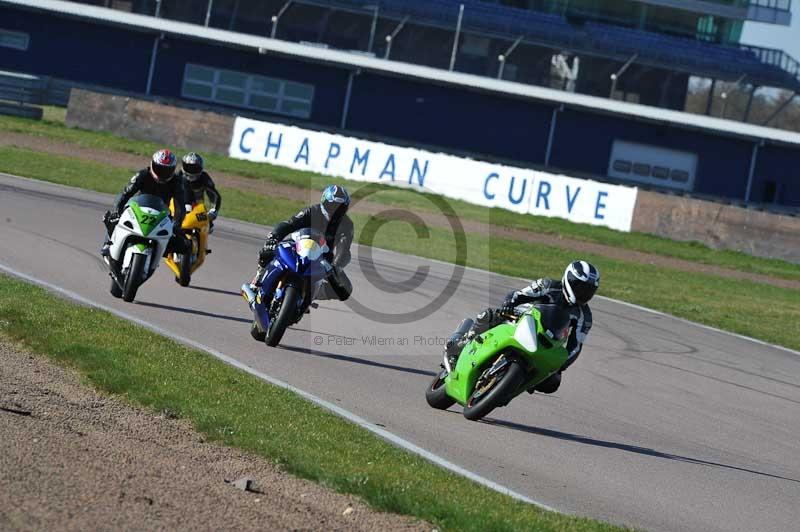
point(396, 68)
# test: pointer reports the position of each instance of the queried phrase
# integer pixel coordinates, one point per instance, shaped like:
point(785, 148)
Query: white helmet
point(580, 282)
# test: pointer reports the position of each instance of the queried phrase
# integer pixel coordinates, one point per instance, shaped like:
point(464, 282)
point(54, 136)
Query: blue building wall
point(409, 110)
point(329, 83)
point(450, 117)
point(780, 166)
point(583, 143)
point(76, 50)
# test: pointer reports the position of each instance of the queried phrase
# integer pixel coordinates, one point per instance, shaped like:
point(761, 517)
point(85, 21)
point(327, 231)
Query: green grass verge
point(753, 309)
point(691, 251)
point(233, 408)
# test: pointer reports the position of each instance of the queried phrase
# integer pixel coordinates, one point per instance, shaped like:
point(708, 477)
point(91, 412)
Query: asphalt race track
point(661, 424)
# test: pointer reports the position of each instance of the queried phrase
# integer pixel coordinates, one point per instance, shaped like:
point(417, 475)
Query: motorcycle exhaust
point(248, 294)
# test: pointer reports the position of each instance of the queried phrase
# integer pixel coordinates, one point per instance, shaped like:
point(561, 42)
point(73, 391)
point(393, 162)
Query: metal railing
point(34, 90)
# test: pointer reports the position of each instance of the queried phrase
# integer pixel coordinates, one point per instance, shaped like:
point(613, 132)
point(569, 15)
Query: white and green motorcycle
point(138, 242)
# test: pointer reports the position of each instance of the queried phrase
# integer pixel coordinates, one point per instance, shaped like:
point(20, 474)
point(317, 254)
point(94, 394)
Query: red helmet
point(163, 165)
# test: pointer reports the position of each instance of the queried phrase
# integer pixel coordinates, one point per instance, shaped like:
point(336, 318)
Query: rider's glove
point(271, 245)
point(267, 252)
point(111, 217)
point(508, 307)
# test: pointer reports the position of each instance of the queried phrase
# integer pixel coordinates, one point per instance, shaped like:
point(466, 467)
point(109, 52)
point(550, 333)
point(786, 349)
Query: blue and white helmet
point(335, 201)
point(580, 282)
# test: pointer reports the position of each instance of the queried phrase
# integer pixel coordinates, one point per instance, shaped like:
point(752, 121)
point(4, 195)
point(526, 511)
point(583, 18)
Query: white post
point(552, 134)
point(390, 37)
point(752, 172)
point(348, 93)
point(277, 17)
point(152, 70)
point(504, 56)
point(208, 12)
point(616, 75)
point(374, 27)
point(458, 34)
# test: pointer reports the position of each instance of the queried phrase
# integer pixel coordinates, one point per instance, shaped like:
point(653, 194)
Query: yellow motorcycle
point(195, 228)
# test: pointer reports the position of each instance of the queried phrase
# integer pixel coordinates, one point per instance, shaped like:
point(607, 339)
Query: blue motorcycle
point(288, 286)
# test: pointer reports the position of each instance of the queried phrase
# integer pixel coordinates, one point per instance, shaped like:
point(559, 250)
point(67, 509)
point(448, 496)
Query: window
point(661, 172)
point(680, 175)
point(641, 169)
point(652, 165)
point(240, 89)
point(14, 39)
point(622, 166)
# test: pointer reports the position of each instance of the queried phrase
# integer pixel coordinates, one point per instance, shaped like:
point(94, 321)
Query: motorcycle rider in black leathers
point(159, 180)
point(197, 183)
point(330, 218)
point(573, 292)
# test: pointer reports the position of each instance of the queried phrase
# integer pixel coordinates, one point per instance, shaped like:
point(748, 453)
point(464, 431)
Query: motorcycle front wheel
point(283, 317)
point(436, 395)
point(134, 277)
point(494, 391)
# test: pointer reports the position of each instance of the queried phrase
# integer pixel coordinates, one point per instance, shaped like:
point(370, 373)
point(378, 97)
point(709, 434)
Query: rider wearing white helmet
point(573, 292)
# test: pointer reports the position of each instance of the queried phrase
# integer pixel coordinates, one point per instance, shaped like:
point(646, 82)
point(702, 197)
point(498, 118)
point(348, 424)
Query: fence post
point(208, 12)
point(152, 69)
point(458, 34)
point(752, 172)
point(373, 28)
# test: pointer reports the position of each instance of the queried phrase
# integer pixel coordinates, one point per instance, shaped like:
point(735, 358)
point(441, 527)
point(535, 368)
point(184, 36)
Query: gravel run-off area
point(74, 459)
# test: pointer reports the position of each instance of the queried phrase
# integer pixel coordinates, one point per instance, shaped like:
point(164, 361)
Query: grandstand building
point(545, 105)
point(642, 51)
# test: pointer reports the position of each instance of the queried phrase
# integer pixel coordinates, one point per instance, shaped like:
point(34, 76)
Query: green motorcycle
point(495, 366)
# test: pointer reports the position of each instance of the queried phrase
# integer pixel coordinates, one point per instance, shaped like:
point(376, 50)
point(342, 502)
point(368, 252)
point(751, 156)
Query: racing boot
point(548, 386)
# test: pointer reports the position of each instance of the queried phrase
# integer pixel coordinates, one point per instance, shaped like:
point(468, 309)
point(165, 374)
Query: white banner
point(492, 185)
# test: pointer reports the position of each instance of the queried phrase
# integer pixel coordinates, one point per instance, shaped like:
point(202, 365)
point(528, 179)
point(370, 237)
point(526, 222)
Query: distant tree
point(731, 99)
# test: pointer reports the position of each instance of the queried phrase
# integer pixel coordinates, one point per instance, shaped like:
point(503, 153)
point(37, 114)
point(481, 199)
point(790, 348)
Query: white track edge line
point(341, 412)
point(471, 268)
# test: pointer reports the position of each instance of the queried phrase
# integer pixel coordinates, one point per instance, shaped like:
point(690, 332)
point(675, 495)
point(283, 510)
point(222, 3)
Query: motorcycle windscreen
point(310, 244)
point(309, 249)
point(149, 201)
point(555, 321)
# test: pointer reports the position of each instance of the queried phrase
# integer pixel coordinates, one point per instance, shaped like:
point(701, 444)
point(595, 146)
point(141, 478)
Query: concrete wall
point(681, 218)
point(144, 120)
point(455, 118)
point(718, 225)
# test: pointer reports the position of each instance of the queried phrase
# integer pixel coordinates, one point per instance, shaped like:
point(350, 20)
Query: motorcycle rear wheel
point(284, 317)
point(481, 404)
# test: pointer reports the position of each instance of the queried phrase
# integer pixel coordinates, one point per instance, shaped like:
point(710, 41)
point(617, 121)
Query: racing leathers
point(547, 291)
point(143, 183)
point(338, 236)
point(194, 191)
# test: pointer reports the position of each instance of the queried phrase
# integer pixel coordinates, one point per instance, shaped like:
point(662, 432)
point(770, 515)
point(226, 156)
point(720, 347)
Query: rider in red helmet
point(159, 180)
